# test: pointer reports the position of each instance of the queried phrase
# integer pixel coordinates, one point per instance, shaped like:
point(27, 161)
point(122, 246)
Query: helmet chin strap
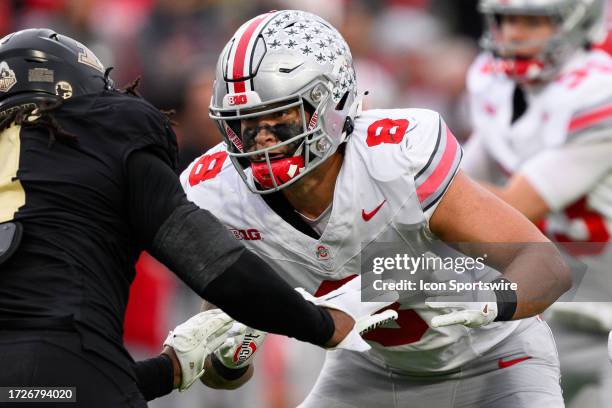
point(353, 112)
point(357, 106)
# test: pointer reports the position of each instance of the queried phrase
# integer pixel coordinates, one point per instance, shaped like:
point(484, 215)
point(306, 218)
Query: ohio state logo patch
point(322, 252)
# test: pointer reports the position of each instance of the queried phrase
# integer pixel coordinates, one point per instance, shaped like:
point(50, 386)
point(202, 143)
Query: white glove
point(195, 339)
point(240, 347)
point(471, 314)
point(347, 299)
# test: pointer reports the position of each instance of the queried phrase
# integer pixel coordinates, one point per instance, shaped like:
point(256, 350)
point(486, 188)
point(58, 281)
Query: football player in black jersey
point(86, 183)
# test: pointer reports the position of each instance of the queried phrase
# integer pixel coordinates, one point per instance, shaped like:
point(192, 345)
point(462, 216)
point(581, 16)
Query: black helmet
point(39, 64)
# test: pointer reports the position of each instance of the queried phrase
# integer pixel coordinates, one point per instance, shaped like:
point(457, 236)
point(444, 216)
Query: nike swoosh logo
point(289, 70)
point(507, 363)
point(368, 216)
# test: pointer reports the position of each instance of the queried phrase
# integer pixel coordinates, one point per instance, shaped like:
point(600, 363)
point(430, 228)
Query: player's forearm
point(157, 376)
point(253, 294)
point(219, 377)
point(470, 215)
point(541, 276)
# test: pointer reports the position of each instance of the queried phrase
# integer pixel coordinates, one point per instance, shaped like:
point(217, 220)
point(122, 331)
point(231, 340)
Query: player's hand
point(455, 310)
point(347, 300)
point(196, 338)
point(240, 347)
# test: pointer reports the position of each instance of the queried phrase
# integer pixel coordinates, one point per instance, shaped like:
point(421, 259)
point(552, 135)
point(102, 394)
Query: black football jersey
point(78, 250)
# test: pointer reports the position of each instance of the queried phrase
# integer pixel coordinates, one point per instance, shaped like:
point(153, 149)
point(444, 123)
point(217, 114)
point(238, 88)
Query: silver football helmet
point(278, 61)
point(578, 24)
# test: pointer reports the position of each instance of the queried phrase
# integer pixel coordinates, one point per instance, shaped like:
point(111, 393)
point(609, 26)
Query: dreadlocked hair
point(169, 113)
point(39, 116)
point(131, 89)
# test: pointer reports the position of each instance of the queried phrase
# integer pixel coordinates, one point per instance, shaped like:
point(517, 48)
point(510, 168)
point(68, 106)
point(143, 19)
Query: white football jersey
point(397, 166)
point(562, 144)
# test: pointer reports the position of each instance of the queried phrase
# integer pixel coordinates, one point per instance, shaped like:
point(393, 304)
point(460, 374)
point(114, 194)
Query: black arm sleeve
point(190, 241)
point(155, 376)
point(251, 292)
point(154, 192)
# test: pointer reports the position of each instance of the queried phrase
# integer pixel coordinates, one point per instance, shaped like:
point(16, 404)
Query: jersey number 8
point(390, 131)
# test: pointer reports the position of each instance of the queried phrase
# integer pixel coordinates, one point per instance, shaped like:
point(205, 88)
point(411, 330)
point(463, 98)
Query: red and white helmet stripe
point(239, 58)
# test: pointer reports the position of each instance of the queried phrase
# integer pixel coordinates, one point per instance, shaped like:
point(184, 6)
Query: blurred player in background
point(305, 178)
point(86, 184)
point(541, 101)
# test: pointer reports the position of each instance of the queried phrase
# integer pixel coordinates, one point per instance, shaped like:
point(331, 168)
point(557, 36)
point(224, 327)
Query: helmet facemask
point(300, 144)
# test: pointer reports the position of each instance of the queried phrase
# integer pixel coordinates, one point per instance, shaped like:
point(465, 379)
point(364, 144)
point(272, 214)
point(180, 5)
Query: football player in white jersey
point(541, 101)
point(311, 183)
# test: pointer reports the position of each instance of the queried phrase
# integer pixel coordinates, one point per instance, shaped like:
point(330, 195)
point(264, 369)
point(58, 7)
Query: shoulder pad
point(212, 183)
point(414, 143)
point(128, 123)
point(137, 115)
point(483, 71)
point(586, 90)
point(205, 170)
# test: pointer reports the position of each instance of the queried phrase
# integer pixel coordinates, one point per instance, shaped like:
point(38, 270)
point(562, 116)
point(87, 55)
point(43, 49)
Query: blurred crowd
point(407, 53)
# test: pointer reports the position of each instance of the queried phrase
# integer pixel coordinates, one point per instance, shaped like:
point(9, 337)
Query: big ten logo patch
point(250, 234)
point(240, 99)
